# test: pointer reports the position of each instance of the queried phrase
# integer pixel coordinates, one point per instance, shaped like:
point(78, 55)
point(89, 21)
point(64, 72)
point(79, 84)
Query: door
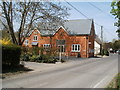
point(61, 48)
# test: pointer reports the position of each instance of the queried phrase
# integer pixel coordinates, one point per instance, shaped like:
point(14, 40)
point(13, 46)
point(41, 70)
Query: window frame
point(35, 38)
point(46, 47)
point(73, 48)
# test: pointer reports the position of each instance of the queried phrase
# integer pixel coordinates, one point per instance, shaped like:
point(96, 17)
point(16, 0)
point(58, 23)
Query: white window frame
point(73, 46)
point(48, 46)
point(35, 38)
point(26, 42)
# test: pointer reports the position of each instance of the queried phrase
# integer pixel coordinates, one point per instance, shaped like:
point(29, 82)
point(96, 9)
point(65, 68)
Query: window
point(26, 42)
point(76, 48)
point(46, 46)
point(35, 38)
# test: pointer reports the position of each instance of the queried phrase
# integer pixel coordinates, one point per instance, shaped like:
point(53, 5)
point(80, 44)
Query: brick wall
point(61, 34)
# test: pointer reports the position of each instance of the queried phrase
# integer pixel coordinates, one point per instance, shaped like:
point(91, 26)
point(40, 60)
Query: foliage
point(107, 45)
point(34, 58)
point(5, 41)
point(11, 54)
point(38, 54)
point(30, 15)
point(25, 57)
point(5, 33)
point(104, 52)
point(116, 12)
point(62, 60)
point(116, 45)
point(115, 83)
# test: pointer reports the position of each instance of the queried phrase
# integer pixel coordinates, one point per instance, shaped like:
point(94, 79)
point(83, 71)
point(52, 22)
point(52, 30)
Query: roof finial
point(35, 28)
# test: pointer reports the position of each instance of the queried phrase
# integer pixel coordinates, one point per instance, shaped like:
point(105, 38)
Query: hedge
point(11, 54)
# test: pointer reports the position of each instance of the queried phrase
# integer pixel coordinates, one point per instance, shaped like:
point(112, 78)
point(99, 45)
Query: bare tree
point(32, 14)
point(8, 15)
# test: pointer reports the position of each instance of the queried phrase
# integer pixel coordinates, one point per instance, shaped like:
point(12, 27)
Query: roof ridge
point(78, 19)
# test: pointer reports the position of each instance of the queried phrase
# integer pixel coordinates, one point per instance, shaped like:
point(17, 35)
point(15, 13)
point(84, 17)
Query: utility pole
point(102, 40)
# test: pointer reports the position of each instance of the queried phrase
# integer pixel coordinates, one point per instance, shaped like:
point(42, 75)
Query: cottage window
point(26, 42)
point(35, 38)
point(46, 46)
point(76, 48)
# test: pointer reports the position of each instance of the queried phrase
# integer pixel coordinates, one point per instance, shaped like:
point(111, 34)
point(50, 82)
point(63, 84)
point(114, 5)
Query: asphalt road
point(92, 73)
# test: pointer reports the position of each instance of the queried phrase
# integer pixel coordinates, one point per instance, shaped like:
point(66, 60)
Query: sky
point(101, 16)
point(98, 10)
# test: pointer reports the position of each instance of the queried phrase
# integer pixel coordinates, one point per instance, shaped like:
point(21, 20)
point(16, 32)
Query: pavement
point(79, 73)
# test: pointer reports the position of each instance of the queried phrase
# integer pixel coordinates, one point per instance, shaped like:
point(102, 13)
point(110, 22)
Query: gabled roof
point(80, 26)
point(72, 27)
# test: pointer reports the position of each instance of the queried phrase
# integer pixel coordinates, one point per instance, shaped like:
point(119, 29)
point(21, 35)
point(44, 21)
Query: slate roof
point(80, 26)
point(97, 39)
point(73, 27)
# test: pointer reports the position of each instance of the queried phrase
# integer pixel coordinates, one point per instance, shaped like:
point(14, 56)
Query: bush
point(49, 61)
point(62, 60)
point(25, 57)
point(11, 54)
point(105, 52)
point(45, 59)
point(34, 58)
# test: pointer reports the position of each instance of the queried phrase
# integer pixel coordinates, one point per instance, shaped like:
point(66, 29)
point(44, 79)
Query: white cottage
point(97, 45)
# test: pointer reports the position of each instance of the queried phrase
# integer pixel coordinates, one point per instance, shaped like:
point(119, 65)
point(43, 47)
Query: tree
point(30, 15)
point(116, 45)
point(8, 15)
point(116, 12)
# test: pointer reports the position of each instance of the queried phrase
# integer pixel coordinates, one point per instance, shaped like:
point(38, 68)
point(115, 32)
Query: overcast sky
point(99, 12)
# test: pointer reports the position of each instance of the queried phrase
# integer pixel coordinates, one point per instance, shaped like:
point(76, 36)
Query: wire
point(76, 9)
point(100, 10)
point(86, 16)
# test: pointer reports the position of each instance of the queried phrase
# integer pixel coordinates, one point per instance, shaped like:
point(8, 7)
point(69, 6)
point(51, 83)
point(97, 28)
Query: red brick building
point(75, 38)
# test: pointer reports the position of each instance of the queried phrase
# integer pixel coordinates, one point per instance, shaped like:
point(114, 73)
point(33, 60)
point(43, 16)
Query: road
point(91, 73)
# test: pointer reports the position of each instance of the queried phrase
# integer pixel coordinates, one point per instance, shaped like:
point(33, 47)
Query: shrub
point(49, 60)
point(33, 58)
point(105, 52)
point(5, 41)
point(62, 60)
point(25, 57)
point(11, 54)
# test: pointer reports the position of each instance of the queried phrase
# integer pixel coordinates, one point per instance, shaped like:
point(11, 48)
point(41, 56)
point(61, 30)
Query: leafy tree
point(116, 12)
point(30, 15)
point(116, 45)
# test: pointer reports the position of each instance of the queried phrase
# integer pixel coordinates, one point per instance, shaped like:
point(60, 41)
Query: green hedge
point(104, 52)
point(11, 54)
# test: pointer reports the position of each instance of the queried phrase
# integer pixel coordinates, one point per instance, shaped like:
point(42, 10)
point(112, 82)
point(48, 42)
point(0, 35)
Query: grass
point(8, 71)
point(115, 83)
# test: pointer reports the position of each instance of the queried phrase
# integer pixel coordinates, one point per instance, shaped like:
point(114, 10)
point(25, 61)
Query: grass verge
point(115, 83)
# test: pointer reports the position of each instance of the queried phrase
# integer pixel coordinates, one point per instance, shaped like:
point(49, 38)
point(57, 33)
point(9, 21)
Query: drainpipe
point(87, 46)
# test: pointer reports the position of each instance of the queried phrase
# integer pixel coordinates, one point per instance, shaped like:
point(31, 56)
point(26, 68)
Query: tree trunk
point(9, 21)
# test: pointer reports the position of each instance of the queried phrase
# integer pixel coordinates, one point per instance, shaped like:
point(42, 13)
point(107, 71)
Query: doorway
point(61, 48)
